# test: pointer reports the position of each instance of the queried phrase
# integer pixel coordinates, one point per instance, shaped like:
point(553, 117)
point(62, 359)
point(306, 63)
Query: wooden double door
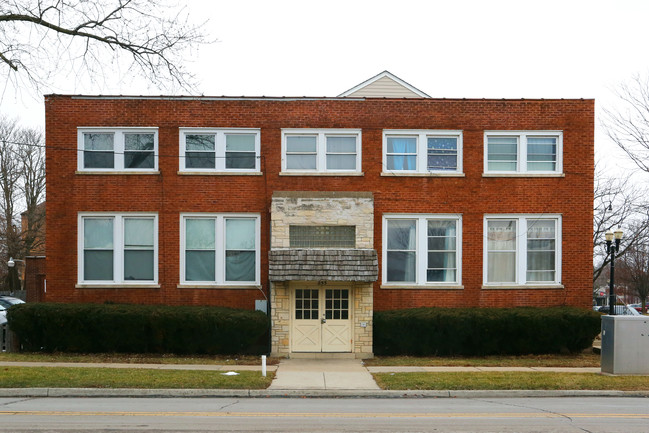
point(321, 319)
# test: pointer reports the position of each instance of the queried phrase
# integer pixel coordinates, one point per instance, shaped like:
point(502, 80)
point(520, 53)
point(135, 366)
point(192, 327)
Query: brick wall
point(169, 193)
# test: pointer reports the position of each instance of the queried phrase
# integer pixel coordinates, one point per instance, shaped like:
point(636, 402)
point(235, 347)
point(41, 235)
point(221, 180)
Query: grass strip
point(135, 358)
point(71, 377)
point(574, 360)
point(509, 380)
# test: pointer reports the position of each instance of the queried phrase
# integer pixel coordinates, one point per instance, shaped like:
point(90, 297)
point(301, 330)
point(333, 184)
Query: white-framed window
point(321, 150)
point(522, 250)
point(533, 152)
point(422, 151)
point(422, 249)
point(219, 150)
point(220, 249)
point(118, 248)
point(117, 149)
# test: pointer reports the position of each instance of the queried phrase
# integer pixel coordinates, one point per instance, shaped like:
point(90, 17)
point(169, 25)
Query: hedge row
point(101, 328)
point(484, 331)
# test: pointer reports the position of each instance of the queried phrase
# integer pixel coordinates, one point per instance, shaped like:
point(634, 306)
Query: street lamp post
point(11, 264)
point(612, 249)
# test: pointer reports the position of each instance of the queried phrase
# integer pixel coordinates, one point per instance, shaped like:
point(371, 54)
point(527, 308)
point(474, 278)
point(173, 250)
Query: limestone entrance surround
point(355, 268)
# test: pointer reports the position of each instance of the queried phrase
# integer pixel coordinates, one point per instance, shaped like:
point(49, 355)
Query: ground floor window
point(220, 249)
point(522, 249)
point(422, 249)
point(118, 248)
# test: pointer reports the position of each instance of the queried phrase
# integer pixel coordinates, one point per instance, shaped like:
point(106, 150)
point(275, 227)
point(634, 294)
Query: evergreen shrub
point(484, 331)
point(116, 328)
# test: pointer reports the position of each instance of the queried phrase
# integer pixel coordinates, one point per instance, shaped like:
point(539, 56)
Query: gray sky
point(455, 49)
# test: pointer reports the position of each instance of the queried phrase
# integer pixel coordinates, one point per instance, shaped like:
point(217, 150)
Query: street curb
point(294, 393)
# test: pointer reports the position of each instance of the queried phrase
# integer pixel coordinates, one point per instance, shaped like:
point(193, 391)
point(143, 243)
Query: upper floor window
point(422, 249)
point(118, 248)
point(522, 249)
point(420, 151)
point(219, 150)
point(111, 149)
point(523, 152)
point(321, 150)
point(220, 249)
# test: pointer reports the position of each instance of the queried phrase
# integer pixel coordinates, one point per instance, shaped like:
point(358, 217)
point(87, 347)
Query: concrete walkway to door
point(328, 374)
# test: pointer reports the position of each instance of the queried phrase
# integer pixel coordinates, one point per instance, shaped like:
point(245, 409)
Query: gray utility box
point(625, 344)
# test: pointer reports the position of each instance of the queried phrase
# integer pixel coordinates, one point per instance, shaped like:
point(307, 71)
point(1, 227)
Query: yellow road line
point(331, 415)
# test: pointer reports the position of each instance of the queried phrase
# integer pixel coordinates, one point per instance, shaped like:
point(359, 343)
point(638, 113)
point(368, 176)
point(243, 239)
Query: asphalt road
point(566, 414)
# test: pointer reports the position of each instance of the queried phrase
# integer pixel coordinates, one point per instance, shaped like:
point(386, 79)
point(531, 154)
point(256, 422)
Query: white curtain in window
point(501, 251)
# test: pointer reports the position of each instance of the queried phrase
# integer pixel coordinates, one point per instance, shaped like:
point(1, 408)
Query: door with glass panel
point(321, 320)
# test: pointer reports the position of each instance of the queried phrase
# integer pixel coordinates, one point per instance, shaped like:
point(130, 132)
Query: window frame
point(421, 136)
point(118, 148)
point(219, 149)
point(220, 248)
point(520, 279)
point(321, 150)
point(118, 248)
point(421, 251)
point(522, 151)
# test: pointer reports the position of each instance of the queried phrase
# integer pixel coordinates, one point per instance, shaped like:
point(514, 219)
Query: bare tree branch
point(154, 38)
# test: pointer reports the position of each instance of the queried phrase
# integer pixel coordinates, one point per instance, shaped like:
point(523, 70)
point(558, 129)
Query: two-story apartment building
point(328, 208)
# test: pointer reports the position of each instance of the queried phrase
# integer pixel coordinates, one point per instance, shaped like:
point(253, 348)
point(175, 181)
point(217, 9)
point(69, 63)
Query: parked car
point(8, 301)
point(620, 310)
point(638, 307)
point(3, 315)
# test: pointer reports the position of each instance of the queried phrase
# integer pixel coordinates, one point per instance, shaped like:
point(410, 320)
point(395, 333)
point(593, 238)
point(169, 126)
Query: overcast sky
point(453, 49)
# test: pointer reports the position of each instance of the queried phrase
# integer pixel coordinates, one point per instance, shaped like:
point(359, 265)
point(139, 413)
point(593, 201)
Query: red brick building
point(329, 208)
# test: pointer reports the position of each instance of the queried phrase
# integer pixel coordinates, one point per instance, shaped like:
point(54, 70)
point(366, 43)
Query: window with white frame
point(112, 149)
point(118, 248)
point(219, 150)
point(422, 249)
point(420, 151)
point(523, 152)
point(522, 250)
point(220, 249)
point(324, 150)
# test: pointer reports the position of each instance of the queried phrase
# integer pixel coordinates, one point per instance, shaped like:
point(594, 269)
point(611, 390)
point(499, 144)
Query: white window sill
point(417, 174)
point(119, 172)
point(321, 173)
point(220, 173)
point(422, 287)
point(523, 175)
point(219, 286)
point(116, 286)
point(521, 286)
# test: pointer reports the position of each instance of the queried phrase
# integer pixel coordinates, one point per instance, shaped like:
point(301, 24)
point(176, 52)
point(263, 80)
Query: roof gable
point(384, 85)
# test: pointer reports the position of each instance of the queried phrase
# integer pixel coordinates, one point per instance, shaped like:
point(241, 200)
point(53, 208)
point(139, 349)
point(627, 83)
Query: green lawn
point(65, 377)
point(574, 360)
point(509, 380)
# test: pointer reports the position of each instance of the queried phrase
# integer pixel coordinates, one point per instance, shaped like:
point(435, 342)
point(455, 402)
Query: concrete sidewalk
point(326, 374)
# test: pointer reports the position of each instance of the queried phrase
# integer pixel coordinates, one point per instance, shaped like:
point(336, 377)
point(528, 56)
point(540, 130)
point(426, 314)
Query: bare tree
point(618, 203)
point(628, 125)
point(634, 272)
point(22, 188)
point(43, 38)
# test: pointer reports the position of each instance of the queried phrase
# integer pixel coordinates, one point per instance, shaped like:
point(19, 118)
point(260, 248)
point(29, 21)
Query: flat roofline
point(296, 98)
